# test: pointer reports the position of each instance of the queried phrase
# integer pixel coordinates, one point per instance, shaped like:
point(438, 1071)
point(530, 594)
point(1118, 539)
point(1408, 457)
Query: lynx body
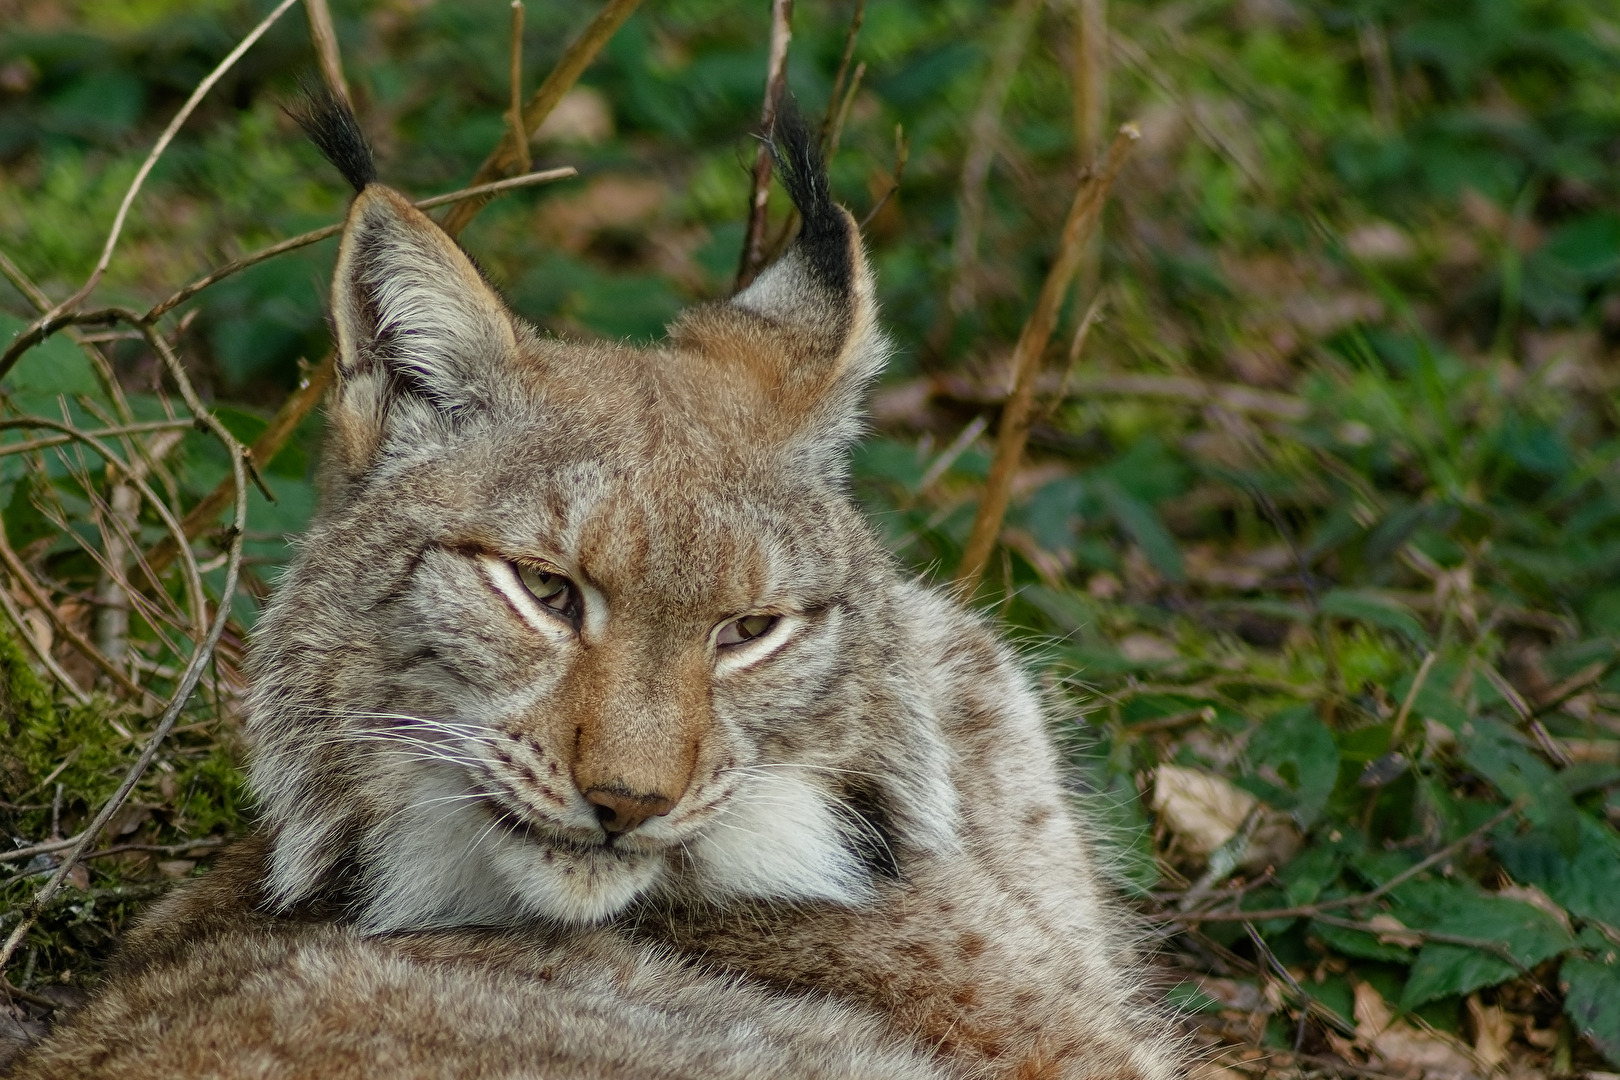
point(595, 735)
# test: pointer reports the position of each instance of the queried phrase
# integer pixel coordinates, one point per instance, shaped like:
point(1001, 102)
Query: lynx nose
point(620, 812)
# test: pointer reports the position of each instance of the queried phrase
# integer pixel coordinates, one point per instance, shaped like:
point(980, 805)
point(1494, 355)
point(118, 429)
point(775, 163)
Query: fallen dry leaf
point(1492, 1032)
point(1405, 1049)
point(1205, 811)
point(1391, 931)
point(1231, 994)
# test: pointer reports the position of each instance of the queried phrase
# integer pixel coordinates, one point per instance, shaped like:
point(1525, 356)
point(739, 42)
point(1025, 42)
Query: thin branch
point(263, 451)
point(39, 650)
point(1233, 396)
point(1090, 77)
point(45, 321)
point(517, 134)
point(1013, 432)
point(16, 854)
point(1399, 727)
point(323, 35)
point(835, 110)
point(1311, 911)
point(14, 565)
point(759, 195)
point(580, 53)
point(200, 657)
point(902, 154)
point(984, 128)
point(837, 134)
point(159, 507)
point(281, 247)
point(1495, 948)
point(95, 433)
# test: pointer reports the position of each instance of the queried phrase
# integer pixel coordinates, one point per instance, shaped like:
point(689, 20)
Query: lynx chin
point(594, 734)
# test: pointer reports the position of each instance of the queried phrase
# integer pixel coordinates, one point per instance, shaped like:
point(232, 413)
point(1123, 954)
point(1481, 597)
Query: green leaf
point(54, 366)
point(1142, 524)
point(25, 523)
point(1374, 610)
point(1517, 773)
point(1528, 934)
point(1359, 943)
point(1586, 882)
point(1592, 1000)
point(1186, 996)
point(1296, 749)
point(1070, 613)
point(1308, 874)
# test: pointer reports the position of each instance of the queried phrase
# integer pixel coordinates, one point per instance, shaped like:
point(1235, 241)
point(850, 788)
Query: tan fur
point(848, 849)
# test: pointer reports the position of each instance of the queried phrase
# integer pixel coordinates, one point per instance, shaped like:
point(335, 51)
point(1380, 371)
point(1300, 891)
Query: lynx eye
point(552, 590)
point(744, 629)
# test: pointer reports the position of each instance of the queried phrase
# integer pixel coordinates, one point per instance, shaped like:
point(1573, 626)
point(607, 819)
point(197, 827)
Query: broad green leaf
point(1188, 997)
point(1308, 874)
point(1592, 999)
point(1295, 748)
point(1586, 882)
point(24, 521)
point(54, 366)
point(1360, 944)
point(1142, 524)
point(1070, 613)
point(1528, 934)
point(1517, 773)
point(1376, 611)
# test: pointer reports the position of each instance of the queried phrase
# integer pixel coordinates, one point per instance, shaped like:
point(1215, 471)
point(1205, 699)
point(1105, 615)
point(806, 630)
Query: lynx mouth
point(524, 828)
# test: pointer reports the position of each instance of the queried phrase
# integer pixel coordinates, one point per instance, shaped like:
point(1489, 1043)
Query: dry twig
point(200, 657)
point(759, 196)
point(36, 331)
point(575, 60)
point(514, 118)
point(1311, 911)
point(323, 35)
point(1013, 432)
point(984, 128)
point(1091, 76)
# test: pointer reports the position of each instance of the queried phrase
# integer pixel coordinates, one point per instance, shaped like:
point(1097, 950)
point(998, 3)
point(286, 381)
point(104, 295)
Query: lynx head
point(579, 625)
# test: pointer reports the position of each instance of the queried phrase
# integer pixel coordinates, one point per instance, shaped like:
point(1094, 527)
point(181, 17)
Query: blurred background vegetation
point(1318, 532)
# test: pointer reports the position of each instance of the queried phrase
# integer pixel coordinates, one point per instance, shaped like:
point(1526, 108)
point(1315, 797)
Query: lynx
point(594, 733)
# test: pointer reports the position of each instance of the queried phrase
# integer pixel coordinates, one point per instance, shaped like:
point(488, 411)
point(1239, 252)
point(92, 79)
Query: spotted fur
point(837, 848)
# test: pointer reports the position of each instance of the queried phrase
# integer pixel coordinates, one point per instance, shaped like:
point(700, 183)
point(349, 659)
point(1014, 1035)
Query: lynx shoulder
point(595, 734)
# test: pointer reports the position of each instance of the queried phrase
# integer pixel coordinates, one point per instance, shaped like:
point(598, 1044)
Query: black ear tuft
point(824, 235)
point(331, 126)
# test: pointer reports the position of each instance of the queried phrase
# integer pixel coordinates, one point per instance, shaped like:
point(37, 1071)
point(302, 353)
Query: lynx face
point(580, 624)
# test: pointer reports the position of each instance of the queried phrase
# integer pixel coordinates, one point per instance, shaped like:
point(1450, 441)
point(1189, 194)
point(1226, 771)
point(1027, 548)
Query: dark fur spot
point(871, 835)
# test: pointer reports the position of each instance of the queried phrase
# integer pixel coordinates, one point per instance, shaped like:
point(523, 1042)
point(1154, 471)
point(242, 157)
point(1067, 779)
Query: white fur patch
point(778, 838)
point(444, 861)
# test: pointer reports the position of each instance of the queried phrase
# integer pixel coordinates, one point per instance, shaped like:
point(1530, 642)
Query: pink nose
point(620, 812)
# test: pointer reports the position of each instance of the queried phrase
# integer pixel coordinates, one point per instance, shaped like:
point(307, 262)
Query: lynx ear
point(799, 346)
point(420, 333)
